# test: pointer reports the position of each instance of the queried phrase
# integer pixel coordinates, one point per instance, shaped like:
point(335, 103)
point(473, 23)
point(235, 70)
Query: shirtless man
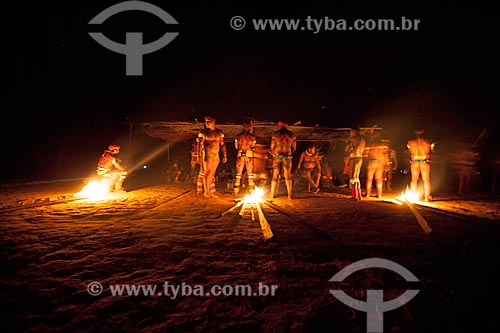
point(354, 148)
point(211, 141)
point(310, 162)
point(420, 149)
point(283, 145)
point(262, 164)
point(465, 163)
point(244, 142)
point(376, 161)
point(109, 166)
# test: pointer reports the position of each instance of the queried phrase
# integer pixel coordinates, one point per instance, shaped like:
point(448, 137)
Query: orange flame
point(254, 197)
point(410, 196)
point(95, 190)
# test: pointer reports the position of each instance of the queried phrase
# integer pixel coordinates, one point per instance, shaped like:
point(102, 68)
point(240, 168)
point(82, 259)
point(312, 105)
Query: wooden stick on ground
point(421, 221)
point(264, 225)
point(243, 209)
point(232, 208)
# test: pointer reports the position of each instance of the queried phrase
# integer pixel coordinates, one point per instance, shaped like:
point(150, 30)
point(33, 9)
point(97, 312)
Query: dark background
point(67, 97)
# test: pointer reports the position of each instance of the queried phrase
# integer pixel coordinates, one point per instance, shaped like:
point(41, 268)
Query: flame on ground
point(254, 197)
point(410, 196)
point(95, 190)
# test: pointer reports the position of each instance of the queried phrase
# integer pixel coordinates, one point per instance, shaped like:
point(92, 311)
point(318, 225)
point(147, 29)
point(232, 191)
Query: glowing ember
point(95, 190)
point(409, 196)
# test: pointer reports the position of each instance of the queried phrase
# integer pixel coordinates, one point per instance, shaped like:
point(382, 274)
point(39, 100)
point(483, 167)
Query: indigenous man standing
point(420, 149)
point(465, 162)
point(355, 147)
point(211, 141)
point(244, 142)
point(283, 145)
point(376, 161)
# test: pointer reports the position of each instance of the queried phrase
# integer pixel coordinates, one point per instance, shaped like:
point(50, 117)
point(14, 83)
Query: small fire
point(252, 203)
point(409, 196)
point(95, 190)
point(254, 197)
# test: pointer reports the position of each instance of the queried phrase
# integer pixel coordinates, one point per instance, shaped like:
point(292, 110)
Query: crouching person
point(109, 167)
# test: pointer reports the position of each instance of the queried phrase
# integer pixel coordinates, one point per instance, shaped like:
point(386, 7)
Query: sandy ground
point(164, 233)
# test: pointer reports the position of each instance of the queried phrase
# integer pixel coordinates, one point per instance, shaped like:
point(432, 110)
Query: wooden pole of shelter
point(131, 126)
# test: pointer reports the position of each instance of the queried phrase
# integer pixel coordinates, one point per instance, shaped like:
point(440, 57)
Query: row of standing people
point(210, 143)
point(379, 158)
point(467, 163)
point(380, 163)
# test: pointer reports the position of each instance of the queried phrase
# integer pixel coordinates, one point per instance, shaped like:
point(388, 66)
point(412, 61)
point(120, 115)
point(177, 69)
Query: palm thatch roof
point(175, 131)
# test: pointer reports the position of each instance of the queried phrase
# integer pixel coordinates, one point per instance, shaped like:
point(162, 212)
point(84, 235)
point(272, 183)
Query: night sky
point(68, 97)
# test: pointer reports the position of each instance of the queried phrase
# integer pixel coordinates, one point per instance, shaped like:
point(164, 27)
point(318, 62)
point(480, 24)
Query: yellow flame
point(95, 190)
point(255, 196)
point(410, 196)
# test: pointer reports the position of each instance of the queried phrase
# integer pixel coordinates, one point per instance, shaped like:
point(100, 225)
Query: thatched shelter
point(175, 131)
